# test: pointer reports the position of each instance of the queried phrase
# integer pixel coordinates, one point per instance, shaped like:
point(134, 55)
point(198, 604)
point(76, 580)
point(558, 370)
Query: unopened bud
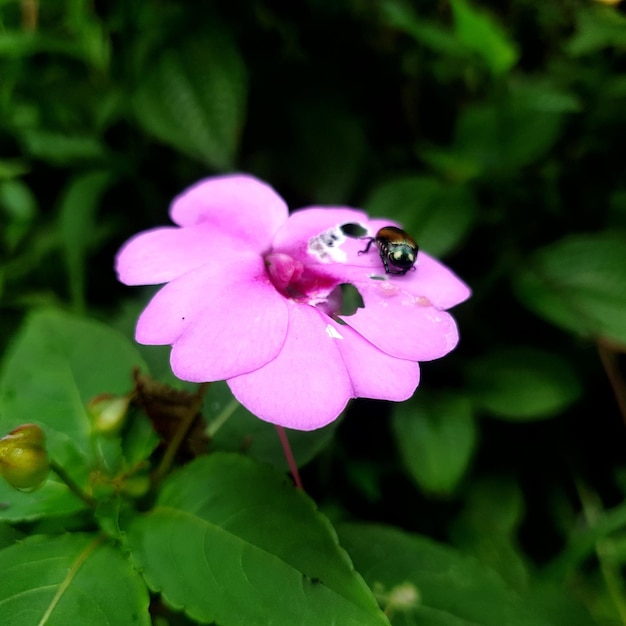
point(108, 412)
point(24, 462)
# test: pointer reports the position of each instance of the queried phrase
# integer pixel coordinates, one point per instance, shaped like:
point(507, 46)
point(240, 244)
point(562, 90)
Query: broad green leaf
point(92, 42)
point(57, 364)
point(506, 136)
point(597, 28)
point(11, 168)
point(579, 283)
point(402, 16)
point(232, 541)
point(18, 209)
point(62, 149)
point(139, 439)
point(543, 95)
point(499, 138)
point(481, 33)
point(193, 98)
point(488, 525)
point(437, 215)
point(448, 588)
point(78, 225)
point(436, 435)
point(233, 428)
point(523, 383)
point(73, 579)
point(52, 499)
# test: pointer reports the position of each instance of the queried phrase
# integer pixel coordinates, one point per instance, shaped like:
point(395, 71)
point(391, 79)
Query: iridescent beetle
point(398, 250)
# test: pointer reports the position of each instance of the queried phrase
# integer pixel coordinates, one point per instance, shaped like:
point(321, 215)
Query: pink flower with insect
point(254, 296)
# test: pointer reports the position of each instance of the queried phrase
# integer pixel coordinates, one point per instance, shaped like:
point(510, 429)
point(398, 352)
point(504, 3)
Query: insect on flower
point(398, 250)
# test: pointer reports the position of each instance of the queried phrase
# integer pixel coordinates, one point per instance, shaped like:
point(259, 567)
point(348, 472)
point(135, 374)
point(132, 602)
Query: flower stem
point(73, 487)
point(293, 468)
point(608, 356)
point(180, 434)
point(222, 418)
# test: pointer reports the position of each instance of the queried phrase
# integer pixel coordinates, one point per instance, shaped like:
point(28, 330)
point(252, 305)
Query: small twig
point(30, 15)
point(73, 487)
point(180, 434)
point(293, 468)
point(609, 359)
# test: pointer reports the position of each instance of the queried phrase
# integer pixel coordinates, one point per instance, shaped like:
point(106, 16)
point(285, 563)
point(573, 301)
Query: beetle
point(398, 250)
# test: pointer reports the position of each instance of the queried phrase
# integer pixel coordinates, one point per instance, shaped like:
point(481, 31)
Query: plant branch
point(73, 487)
point(180, 434)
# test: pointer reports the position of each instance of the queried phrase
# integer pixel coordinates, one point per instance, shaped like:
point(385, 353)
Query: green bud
point(24, 462)
point(108, 413)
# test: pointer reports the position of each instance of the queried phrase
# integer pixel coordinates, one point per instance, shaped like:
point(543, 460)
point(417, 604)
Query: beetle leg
point(369, 244)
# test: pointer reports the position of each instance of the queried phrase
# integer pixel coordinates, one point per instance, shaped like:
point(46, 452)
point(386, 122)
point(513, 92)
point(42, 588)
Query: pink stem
point(293, 468)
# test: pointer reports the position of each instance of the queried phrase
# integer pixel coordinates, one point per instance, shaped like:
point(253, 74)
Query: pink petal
point(162, 254)
point(433, 280)
point(375, 374)
point(402, 325)
point(295, 233)
point(238, 204)
point(221, 323)
point(306, 386)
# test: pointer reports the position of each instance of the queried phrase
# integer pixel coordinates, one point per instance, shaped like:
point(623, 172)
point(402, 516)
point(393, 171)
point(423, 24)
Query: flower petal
point(433, 280)
point(294, 235)
point(402, 325)
point(306, 386)
point(238, 205)
point(220, 325)
point(375, 374)
point(162, 254)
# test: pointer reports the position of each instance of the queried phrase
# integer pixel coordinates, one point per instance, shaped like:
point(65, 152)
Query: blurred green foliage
point(494, 132)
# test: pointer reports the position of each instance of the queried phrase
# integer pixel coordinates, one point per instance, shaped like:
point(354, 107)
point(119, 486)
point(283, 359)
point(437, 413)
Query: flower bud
point(24, 462)
point(108, 413)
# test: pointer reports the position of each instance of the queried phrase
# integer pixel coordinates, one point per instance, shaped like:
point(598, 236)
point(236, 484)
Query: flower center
point(299, 282)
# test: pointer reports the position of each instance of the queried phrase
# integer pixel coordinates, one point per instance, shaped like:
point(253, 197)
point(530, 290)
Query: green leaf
point(437, 215)
point(436, 435)
point(74, 579)
point(233, 428)
point(52, 499)
point(579, 283)
point(11, 168)
point(402, 16)
point(79, 204)
point(507, 136)
point(449, 588)
point(597, 28)
point(482, 34)
point(523, 383)
point(232, 541)
point(57, 364)
point(193, 98)
point(18, 207)
point(59, 148)
point(488, 525)
point(543, 95)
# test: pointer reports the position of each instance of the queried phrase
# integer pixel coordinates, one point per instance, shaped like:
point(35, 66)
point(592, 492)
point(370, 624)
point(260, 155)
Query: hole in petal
point(353, 230)
point(351, 299)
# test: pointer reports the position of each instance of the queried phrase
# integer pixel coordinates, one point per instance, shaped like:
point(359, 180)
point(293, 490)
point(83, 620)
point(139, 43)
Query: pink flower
point(253, 297)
